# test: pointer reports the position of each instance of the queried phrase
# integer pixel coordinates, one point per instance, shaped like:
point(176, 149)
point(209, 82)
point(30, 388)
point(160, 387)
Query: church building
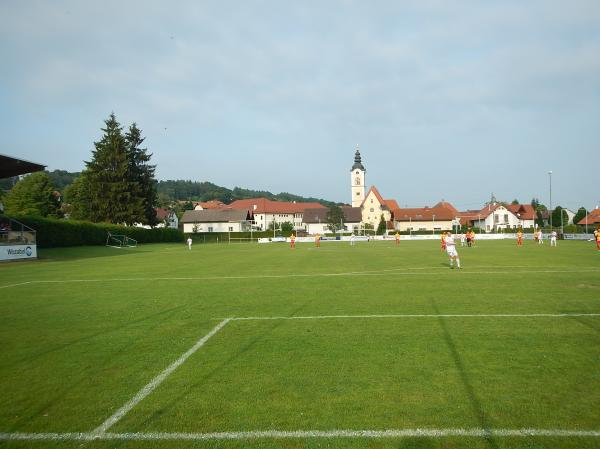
point(372, 204)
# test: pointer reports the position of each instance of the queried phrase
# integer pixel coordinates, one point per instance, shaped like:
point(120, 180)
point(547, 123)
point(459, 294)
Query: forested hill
point(174, 190)
point(205, 191)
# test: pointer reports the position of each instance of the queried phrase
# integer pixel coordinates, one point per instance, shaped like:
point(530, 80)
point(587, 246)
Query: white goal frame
point(120, 241)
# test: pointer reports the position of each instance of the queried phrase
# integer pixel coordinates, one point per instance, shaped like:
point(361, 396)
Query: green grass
point(84, 329)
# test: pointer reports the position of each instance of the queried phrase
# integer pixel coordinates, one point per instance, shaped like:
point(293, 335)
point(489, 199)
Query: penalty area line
point(303, 434)
point(151, 386)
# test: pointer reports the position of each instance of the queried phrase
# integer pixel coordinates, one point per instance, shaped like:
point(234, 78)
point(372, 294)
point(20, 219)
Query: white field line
point(447, 315)
point(16, 285)
point(385, 272)
point(301, 434)
point(156, 381)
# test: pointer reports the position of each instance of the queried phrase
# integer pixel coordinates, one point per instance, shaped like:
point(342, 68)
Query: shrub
point(57, 233)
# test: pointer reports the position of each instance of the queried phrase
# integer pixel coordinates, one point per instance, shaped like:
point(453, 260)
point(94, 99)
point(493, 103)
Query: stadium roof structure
point(11, 166)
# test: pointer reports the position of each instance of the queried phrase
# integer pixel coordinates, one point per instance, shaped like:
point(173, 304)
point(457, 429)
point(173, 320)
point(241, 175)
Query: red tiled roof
point(264, 205)
point(377, 195)
point(448, 206)
point(523, 211)
point(592, 218)
point(161, 213)
point(392, 204)
point(423, 214)
point(212, 204)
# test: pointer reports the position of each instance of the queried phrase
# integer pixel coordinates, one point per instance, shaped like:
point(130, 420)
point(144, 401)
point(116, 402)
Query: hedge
point(53, 232)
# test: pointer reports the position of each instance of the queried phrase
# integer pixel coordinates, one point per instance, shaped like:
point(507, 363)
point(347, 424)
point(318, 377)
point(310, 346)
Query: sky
point(447, 100)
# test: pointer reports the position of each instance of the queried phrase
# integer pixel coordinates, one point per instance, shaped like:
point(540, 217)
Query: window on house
point(357, 193)
point(210, 229)
point(505, 218)
point(496, 218)
point(230, 228)
point(371, 209)
point(488, 227)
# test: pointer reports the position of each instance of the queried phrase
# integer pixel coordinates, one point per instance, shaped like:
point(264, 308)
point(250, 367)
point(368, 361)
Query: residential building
point(266, 212)
point(592, 219)
point(216, 220)
point(441, 217)
point(315, 220)
point(166, 218)
point(212, 204)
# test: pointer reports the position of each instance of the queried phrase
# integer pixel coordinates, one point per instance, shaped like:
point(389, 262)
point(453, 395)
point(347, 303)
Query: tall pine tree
point(114, 197)
point(141, 173)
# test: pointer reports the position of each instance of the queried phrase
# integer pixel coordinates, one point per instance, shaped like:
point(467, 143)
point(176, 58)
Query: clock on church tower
point(357, 179)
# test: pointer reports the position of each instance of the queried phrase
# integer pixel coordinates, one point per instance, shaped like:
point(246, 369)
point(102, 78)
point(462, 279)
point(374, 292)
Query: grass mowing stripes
point(74, 352)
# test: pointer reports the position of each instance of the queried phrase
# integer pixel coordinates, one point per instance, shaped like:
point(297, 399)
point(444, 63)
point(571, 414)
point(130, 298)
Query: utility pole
point(550, 175)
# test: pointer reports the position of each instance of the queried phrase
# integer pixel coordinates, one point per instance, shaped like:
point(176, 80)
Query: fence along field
point(398, 314)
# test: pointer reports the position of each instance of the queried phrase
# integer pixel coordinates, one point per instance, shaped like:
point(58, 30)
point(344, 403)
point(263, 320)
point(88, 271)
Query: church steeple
point(357, 161)
point(357, 180)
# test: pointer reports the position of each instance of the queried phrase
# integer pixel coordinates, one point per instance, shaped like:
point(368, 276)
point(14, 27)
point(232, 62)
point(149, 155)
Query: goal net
point(120, 241)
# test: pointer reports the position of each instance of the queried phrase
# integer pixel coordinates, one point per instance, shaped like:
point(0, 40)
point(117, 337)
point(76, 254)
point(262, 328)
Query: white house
point(165, 218)
point(315, 220)
point(266, 212)
point(496, 217)
point(216, 220)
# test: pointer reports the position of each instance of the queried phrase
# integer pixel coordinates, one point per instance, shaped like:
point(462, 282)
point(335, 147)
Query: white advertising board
point(17, 252)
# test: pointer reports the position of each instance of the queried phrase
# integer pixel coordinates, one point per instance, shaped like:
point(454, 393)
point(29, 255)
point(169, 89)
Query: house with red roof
point(591, 219)
point(441, 217)
point(212, 204)
point(266, 211)
point(496, 216)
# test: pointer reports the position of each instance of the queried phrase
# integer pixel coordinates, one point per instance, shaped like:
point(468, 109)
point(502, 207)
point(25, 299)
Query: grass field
point(259, 346)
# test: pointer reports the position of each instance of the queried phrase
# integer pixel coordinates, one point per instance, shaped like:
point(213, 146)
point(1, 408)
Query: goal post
point(120, 241)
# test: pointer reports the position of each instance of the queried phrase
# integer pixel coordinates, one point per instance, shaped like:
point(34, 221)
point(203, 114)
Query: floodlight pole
point(550, 177)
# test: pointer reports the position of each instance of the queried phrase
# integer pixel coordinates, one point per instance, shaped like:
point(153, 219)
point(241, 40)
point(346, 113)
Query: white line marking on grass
point(301, 434)
point(16, 285)
point(384, 272)
point(157, 381)
point(448, 315)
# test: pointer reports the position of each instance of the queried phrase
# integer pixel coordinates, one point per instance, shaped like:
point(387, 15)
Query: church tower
point(357, 180)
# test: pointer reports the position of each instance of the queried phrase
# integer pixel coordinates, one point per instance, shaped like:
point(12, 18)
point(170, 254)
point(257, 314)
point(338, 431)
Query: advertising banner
point(17, 252)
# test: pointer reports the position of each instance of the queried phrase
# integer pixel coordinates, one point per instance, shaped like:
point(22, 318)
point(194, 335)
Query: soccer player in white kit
point(189, 243)
point(451, 250)
point(553, 238)
point(540, 237)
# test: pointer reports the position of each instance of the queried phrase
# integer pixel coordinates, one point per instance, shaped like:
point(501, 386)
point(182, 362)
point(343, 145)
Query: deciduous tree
point(33, 195)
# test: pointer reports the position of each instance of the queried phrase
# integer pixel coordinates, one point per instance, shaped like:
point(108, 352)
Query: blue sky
point(451, 100)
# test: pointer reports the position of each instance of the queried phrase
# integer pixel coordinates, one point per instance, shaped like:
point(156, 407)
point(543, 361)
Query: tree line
point(116, 186)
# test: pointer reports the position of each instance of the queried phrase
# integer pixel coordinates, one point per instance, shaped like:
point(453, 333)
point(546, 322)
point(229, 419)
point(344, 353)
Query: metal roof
point(11, 166)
